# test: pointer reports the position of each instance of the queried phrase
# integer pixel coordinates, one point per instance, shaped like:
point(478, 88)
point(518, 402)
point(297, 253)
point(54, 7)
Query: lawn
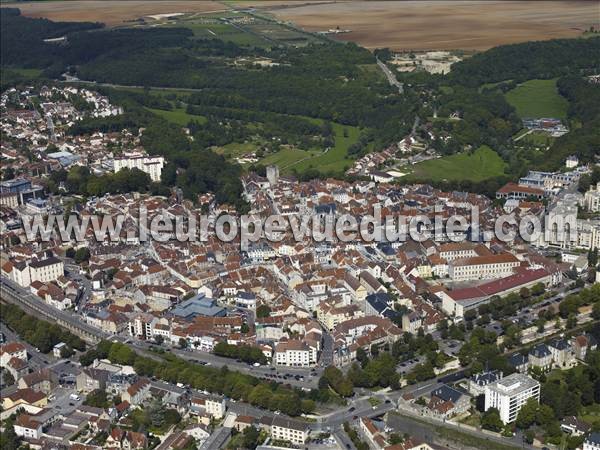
point(288, 158)
point(538, 98)
point(225, 32)
point(591, 414)
point(539, 139)
point(236, 149)
point(480, 165)
point(29, 73)
point(336, 159)
point(178, 116)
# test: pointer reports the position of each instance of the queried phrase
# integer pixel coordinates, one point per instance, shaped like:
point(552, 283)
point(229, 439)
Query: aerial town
point(378, 326)
point(230, 229)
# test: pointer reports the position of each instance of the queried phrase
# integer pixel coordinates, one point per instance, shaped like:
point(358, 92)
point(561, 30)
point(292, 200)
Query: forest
point(529, 60)
point(295, 97)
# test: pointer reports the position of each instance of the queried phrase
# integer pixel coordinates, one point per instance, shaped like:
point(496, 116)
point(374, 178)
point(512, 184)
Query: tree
point(66, 352)
point(159, 339)
point(571, 321)
point(527, 414)
point(374, 350)
point(596, 311)
point(362, 357)
point(97, 398)
point(182, 343)
point(263, 311)
point(82, 254)
point(9, 439)
point(593, 257)
point(7, 377)
point(529, 436)
point(8, 173)
point(490, 420)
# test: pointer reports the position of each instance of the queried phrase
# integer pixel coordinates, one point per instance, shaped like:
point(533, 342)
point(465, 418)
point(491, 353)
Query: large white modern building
point(509, 394)
point(295, 353)
point(152, 165)
point(591, 199)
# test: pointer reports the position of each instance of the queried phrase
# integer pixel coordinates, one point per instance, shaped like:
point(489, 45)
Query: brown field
point(452, 24)
point(112, 13)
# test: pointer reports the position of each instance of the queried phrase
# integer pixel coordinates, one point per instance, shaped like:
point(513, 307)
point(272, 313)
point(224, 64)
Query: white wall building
point(483, 267)
point(509, 394)
point(152, 165)
point(289, 430)
point(43, 270)
point(591, 199)
point(295, 353)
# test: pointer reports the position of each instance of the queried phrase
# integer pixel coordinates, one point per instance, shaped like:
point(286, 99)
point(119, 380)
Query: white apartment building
point(509, 394)
point(588, 234)
point(483, 267)
point(152, 165)
point(295, 353)
point(591, 199)
point(215, 407)
point(142, 326)
point(289, 430)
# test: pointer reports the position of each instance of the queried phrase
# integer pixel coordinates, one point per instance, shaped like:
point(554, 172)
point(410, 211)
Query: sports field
point(480, 165)
point(538, 98)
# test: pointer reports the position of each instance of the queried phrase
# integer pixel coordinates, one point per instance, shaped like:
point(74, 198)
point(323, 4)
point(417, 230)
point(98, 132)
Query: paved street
point(343, 440)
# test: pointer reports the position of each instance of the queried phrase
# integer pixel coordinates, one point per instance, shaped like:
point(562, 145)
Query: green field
point(178, 116)
point(538, 98)
point(334, 160)
point(480, 165)
point(539, 139)
point(225, 32)
point(288, 158)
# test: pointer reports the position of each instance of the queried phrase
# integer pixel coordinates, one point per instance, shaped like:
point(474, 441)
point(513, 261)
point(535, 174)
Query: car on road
point(351, 409)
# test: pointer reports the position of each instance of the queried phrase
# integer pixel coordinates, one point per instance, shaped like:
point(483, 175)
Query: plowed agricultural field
point(444, 25)
point(112, 13)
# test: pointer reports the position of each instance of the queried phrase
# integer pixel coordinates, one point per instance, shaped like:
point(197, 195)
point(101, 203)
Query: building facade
point(509, 394)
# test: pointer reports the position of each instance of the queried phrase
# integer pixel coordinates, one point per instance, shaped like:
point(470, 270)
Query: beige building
point(289, 430)
point(483, 267)
point(44, 270)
